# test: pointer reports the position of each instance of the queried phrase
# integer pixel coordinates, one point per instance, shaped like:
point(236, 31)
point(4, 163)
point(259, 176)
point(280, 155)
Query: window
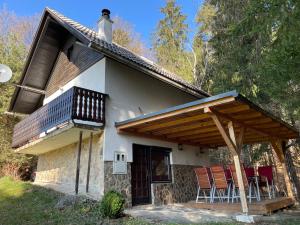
point(160, 165)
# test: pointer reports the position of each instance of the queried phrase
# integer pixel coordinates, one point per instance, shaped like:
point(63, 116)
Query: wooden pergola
point(228, 119)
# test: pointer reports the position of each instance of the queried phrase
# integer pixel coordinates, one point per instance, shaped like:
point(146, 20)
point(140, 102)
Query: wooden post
point(78, 162)
point(277, 146)
point(89, 163)
point(232, 144)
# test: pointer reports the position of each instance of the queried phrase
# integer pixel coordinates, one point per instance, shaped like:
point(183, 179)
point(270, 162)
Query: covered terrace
point(228, 119)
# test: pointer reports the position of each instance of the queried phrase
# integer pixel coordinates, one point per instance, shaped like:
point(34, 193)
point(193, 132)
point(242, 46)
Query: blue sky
point(143, 14)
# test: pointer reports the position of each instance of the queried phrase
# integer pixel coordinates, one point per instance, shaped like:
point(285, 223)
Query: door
point(140, 175)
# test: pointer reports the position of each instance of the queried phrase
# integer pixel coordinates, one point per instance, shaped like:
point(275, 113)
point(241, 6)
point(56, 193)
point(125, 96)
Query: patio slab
point(177, 213)
point(181, 214)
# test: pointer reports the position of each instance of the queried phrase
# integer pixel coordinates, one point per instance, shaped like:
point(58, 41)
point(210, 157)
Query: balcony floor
point(58, 138)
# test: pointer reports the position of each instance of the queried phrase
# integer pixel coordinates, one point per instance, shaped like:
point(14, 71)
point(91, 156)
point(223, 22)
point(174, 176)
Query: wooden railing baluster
point(76, 103)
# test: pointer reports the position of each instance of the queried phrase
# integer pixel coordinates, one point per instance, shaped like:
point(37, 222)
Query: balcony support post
point(89, 163)
point(78, 162)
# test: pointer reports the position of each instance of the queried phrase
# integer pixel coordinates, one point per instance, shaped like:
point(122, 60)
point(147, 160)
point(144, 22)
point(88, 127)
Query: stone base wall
point(57, 169)
point(118, 182)
point(182, 189)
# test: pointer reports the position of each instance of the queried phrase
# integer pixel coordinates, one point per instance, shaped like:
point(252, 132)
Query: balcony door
point(140, 175)
point(150, 165)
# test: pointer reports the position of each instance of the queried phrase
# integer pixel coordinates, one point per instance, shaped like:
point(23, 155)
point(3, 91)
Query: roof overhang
point(192, 124)
point(42, 56)
point(38, 65)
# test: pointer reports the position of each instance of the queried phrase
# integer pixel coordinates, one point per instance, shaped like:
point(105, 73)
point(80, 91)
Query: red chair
point(266, 179)
point(253, 182)
point(204, 183)
point(235, 187)
point(227, 174)
point(249, 171)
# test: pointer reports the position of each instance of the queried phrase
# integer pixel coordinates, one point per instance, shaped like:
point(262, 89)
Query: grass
point(22, 203)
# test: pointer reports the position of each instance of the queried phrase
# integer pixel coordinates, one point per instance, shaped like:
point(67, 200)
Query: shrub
point(112, 204)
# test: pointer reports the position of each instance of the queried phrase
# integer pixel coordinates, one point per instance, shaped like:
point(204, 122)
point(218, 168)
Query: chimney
point(105, 26)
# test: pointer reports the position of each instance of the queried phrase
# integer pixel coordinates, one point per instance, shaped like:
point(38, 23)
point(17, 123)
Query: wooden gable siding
point(72, 60)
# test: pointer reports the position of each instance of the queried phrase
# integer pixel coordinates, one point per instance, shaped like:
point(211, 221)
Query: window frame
point(166, 151)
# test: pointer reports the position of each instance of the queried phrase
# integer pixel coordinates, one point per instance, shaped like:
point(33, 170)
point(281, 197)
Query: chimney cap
point(105, 12)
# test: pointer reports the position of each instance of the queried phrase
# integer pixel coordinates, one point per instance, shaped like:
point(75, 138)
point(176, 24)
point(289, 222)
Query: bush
point(112, 205)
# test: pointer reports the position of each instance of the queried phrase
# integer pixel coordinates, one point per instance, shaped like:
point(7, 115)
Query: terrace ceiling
point(192, 123)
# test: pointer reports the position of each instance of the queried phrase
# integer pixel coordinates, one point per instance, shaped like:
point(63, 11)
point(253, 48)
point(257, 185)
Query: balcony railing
point(75, 104)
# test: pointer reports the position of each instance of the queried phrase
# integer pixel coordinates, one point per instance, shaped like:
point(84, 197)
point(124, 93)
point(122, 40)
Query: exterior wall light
point(180, 147)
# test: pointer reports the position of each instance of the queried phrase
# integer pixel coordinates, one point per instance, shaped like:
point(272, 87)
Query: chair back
point(219, 177)
point(234, 176)
point(203, 177)
point(249, 171)
point(227, 174)
point(266, 171)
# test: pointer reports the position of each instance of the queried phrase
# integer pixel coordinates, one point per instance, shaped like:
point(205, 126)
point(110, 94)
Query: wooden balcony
point(77, 105)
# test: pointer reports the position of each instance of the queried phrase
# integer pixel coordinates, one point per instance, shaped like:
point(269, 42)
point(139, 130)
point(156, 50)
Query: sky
point(142, 14)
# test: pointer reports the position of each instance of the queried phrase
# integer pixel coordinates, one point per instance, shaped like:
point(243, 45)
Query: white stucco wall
point(93, 78)
point(132, 93)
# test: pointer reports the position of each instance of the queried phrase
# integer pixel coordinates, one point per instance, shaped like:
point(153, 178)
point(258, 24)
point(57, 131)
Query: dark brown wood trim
point(89, 163)
point(78, 163)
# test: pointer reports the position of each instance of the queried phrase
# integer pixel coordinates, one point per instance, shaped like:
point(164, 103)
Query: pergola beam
point(232, 145)
point(257, 130)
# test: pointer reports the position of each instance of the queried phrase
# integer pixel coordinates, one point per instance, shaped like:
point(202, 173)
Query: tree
point(236, 54)
point(169, 41)
point(256, 50)
point(15, 34)
point(202, 50)
point(125, 35)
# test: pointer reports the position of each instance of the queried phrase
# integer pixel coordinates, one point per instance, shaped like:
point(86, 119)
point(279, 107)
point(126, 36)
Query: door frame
point(148, 150)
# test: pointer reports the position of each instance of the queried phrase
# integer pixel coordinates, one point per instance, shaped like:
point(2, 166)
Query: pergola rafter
point(228, 120)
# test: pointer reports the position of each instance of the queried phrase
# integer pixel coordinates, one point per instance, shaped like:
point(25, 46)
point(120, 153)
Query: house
point(100, 117)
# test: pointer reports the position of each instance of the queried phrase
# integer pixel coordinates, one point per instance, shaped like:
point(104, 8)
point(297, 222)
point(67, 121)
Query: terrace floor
point(264, 207)
point(190, 213)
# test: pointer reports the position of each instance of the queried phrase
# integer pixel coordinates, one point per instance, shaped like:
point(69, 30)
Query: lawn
point(22, 203)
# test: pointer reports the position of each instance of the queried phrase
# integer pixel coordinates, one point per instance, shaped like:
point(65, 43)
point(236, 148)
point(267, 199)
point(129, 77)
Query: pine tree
point(201, 48)
point(170, 40)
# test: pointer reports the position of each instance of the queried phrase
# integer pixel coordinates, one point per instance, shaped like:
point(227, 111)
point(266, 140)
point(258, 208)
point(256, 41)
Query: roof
point(118, 50)
point(112, 50)
point(191, 124)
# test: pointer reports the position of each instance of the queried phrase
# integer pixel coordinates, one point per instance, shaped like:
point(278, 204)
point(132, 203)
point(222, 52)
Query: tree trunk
point(292, 171)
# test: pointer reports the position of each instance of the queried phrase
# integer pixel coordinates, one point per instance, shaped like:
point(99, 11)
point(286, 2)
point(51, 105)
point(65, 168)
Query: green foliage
point(256, 51)
point(170, 39)
point(201, 49)
point(13, 44)
point(12, 54)
point(112, 204)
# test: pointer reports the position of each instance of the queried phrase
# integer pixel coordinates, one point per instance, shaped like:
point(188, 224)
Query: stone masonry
point(57, 169)
point(118, 182)
point(182, 189)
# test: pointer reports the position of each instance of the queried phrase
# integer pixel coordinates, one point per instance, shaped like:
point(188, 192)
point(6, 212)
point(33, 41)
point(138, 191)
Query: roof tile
point(125, 53)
